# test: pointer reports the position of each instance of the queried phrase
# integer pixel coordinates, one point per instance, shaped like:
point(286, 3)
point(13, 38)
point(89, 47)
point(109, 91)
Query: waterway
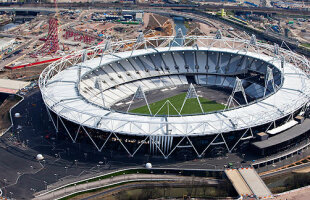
point(166, 190)
point(289, 181)
point(8, 26)
point(277, 184)
point(179, 24)
point(205, 192)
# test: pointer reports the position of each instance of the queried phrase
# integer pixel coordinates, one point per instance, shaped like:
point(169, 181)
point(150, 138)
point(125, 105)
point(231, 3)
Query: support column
point(191, 93)
point(139, 94)
point(269, 78)
point(237, 88)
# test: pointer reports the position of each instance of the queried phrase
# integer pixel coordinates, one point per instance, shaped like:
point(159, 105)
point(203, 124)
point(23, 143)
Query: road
point(48, 7)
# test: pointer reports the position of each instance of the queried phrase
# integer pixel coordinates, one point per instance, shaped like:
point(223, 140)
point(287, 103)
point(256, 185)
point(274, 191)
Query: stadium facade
point(80, 89)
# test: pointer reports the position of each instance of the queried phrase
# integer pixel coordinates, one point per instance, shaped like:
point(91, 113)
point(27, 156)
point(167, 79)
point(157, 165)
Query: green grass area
point(191, 106)
point(95, 190)
point(305, 45)
point(129, 171)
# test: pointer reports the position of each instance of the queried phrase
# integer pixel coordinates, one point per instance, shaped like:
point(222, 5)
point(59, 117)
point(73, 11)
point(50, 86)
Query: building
point(139, 17)
point(6, 43)
point(80, 98)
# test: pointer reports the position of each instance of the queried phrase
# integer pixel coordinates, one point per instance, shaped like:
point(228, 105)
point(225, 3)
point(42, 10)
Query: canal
point(179, 24)
point(8, 26)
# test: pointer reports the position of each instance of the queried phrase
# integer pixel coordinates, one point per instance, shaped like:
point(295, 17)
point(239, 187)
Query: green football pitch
point(191, 106)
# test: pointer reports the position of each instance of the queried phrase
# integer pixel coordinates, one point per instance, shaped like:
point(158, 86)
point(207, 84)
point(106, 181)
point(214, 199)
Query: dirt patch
point(27, 73)
point(158, 26)
point(302, 194)
point(5, 121)
point(206, 29)
point(193, 28)
point(105, 26)
point(156, 21)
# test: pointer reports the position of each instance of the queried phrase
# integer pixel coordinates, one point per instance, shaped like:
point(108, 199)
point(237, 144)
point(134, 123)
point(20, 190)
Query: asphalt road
point(44, 7)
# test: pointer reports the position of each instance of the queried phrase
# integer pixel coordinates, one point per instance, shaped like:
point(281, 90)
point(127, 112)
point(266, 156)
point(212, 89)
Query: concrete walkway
point(248, 183)
point(255, 183)
point(238, 182)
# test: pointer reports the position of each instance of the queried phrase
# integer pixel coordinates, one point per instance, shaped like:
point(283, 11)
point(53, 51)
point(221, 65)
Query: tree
point(204, 189)
point(191, 185)
point(120, 195)
point(165, 187)
point(149, 192)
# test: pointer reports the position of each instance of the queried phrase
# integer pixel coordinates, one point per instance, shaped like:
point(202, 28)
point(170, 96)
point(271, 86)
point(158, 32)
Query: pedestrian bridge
point(248, 184)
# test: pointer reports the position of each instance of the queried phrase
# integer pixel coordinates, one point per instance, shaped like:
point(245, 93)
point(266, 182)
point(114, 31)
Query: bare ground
point(23, 73)
point(5, 107)
point(302, 194)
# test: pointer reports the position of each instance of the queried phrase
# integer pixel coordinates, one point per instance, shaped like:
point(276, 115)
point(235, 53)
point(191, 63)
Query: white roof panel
point(62, 97)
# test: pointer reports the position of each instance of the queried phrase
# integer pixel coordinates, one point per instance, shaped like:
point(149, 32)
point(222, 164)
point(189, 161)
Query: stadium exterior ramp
point(238, 182)
point(80, 89)
point(248, 183)
point(255, 183)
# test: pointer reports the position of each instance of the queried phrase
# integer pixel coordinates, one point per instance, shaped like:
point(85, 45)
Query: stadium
point(172, 96)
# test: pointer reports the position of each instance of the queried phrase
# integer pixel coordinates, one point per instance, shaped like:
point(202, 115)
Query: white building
point(139, 17)
point(6, 43)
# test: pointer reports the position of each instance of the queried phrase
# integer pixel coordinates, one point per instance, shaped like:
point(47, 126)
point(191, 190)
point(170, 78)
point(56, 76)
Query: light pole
point(45, 185)
point(75, 161)
point(11, 195)
point(56, 176)
point(101, 163)
point(66, 168)
point(5, 181)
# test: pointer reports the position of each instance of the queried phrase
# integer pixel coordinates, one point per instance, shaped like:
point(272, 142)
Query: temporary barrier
point(32, 64)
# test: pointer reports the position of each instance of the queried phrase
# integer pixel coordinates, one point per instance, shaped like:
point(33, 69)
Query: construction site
point(290, 27)
point(48, 37)
point(33, 39)
point(28, 47)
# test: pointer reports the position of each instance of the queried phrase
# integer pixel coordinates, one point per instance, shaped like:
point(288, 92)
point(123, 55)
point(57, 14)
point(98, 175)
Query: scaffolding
point(51, 45)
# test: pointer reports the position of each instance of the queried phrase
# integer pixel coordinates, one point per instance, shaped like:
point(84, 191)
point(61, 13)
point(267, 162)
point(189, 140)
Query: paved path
point(248, 183)
point(255, 183)
point(238, 182)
